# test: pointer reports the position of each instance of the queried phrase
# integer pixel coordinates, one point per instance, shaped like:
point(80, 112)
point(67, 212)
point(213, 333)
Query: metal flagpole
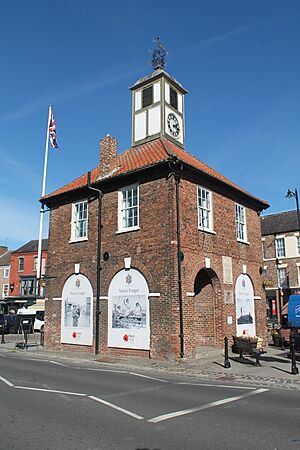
point(38, 269)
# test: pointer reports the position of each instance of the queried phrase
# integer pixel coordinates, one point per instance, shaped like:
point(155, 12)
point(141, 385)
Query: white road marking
point(215, 385)
point(202, 407)
point(3, 356)
point(111, 405)
point(150, 378)
point(59, 364)
point(51, 391)
point(6, 382)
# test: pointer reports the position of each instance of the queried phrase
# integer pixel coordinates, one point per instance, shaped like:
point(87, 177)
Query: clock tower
point(158, 104)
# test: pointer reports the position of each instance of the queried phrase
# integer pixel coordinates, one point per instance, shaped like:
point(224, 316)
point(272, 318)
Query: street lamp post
point(294, 194)
point(291, 194)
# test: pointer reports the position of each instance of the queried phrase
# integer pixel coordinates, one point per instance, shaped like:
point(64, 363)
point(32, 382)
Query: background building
point(4, 275)
point(180, 244)
point(281, 259)
point(23, 265)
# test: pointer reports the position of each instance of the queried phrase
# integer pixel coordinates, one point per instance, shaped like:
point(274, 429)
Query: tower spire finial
point(159, 55)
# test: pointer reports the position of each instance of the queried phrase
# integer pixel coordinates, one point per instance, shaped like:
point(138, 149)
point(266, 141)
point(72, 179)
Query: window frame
point(6, 271)
point(280, 282)
point(121, 209)
point(149, 88)
point(3, 290)
point(282, 238)
point(208, 210)
point(238, 223)
point(21, 258)
point(173, 96)
point(75, 220)
point(264, 248)
point(24, 281)
point(298, 244)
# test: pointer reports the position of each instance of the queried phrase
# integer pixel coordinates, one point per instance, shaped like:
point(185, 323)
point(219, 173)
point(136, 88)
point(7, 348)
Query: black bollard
point(42, 339)
point(227, 364)
point(282, 343)
point(26, 339)
point(2, 337)
point(295, 370)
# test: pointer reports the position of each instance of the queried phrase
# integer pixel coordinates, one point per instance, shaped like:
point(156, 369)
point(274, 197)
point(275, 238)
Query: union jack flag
point(52, 131)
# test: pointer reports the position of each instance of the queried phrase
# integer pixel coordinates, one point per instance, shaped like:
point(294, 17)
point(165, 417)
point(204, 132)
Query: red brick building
point(180, 255)
point(22, 279)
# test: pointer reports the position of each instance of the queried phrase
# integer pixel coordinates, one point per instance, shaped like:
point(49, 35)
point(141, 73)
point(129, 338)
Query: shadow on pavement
point(281, 370)
point(245, 360)
point(219, 364)
point(274, 359)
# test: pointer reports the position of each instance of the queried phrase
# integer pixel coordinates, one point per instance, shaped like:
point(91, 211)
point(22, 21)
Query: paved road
point(50, 405)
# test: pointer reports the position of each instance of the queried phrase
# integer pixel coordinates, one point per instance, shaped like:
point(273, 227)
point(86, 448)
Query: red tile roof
point(143, 156)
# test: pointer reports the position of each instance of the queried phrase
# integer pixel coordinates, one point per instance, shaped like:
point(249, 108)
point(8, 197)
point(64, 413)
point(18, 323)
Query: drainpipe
point(100, 196)
point(176, 170)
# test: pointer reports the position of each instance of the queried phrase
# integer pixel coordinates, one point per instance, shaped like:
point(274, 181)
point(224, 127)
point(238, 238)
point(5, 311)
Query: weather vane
point(159, 55)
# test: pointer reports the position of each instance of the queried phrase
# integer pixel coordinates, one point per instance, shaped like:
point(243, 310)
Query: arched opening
point(205, 288)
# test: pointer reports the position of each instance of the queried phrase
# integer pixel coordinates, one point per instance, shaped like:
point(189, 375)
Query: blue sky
point(239, 60)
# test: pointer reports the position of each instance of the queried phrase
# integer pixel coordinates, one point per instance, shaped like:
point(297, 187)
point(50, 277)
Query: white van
point(39, 321)
point(39, 309)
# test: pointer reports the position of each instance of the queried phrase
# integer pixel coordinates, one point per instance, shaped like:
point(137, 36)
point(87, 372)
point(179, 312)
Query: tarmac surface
point(275, 370)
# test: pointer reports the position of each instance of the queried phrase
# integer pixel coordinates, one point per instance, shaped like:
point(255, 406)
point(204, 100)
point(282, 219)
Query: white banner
point(77, 311)
point(128, 311)
point(245, 316)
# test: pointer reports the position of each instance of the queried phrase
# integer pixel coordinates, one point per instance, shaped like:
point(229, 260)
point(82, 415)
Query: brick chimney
point(108, 150)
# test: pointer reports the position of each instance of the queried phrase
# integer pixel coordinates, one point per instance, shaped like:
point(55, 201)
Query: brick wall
point(208, 309)
point(153, 251)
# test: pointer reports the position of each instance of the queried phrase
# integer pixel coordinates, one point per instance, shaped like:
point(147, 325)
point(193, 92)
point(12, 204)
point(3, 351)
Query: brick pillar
point(108, 151)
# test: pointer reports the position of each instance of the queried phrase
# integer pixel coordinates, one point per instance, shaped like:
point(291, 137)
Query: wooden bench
point(247, 346)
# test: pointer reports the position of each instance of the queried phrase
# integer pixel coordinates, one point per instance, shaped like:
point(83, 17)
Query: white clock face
point(173, 125)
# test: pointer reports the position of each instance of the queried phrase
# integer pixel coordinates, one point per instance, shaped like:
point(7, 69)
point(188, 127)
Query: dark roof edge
point(23, 249)
point(155, 77)
point(103, 181)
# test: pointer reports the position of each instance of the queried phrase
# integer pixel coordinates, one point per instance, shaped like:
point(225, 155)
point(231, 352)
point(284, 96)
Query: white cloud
point(15, 165)
point(19, 222)
point(68, 93)
point(222, 37)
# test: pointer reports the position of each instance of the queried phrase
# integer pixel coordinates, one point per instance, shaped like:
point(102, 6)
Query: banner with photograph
point(128, 311)
point(77, 311)
point(244, 297)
